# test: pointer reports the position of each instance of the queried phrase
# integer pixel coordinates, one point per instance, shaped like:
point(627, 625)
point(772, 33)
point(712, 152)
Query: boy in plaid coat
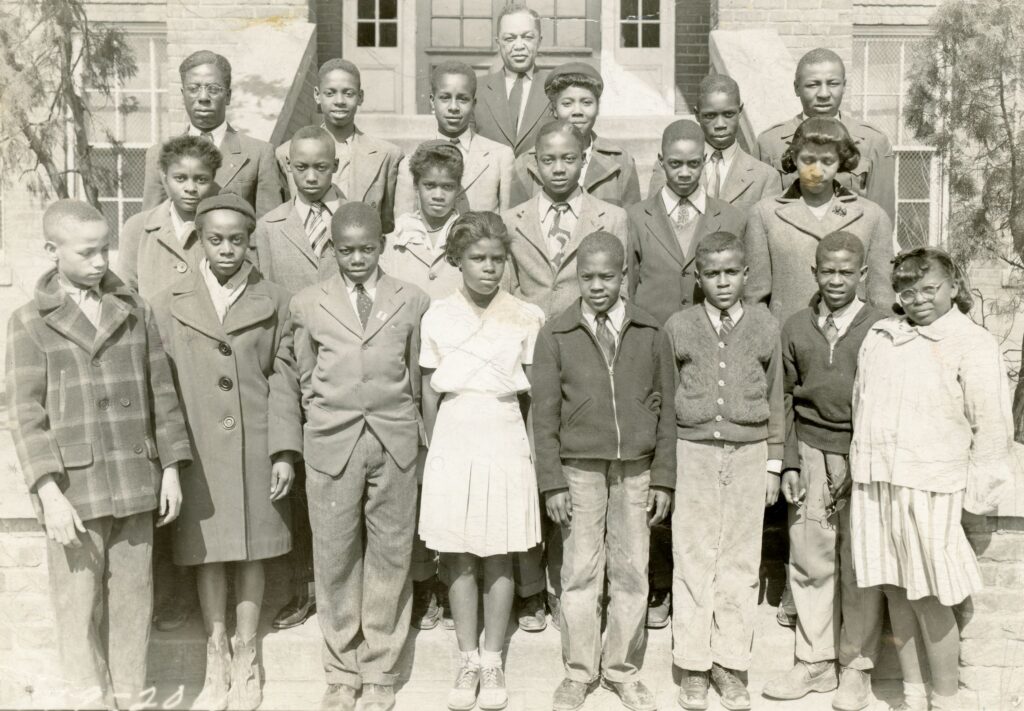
point(100, 437)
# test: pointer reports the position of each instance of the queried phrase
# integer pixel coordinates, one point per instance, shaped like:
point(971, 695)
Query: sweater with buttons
point(730, 386)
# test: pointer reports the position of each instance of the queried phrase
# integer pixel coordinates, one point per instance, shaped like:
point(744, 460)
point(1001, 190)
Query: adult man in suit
point(487, 171)
point(730, 173)
point(367, 166)
point(819, 83)
point(249, 168)
point(512, 105)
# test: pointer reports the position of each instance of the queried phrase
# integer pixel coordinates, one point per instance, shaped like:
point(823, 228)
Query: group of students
point(340, 345)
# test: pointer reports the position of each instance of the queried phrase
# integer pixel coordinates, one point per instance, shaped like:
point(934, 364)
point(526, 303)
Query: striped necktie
point(558, 235)
point(714, 175)
point(316, 228)
point(605, 337)
point(727, 323)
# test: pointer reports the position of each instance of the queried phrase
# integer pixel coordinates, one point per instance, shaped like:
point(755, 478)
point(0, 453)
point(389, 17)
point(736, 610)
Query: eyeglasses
point(910, 296)
point(212, 90)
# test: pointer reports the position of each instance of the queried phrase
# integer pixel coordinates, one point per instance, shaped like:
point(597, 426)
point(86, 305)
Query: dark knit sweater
point(819, 381)
point(730, 387)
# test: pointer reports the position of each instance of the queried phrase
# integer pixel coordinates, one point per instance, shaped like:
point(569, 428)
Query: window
point(563, 23)
point(377, 23)
point(125, 124)
point(876, 89)
point(462, 23)
point(640, 23)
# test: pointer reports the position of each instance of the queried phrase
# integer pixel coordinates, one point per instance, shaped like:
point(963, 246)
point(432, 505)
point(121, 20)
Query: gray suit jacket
point(486, 178)
point(248, 170)
point(375, 164)
point(280, 249)
point(748, 181)
point(530, 274)
point(493, 119)
point(611, 175)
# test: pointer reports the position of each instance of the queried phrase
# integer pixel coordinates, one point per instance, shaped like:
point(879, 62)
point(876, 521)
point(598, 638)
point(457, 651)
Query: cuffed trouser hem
point(575, 675)
point(734, 663)
point(620, 678)
point(379, 678)
point(864, 664)
point(824, 655)
point(337, 676)
point(699, 665)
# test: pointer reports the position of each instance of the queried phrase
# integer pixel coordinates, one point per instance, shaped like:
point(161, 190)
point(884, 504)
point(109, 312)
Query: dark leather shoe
point(659, 609)
point(731, 689)
point(569, 695)
point(173, 613)
point(532, 616)
point(693, 690)
point(295, 612)
point(377, 697)
point(634, 695)
point(338, 697)
point(425, 611)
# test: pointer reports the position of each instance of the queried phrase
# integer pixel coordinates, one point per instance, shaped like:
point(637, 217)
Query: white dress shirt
point(616, 317)
point(545, 207)
point(510, 80)
point(697, 200)
point(183, 228)
point(819, 211)
point(370, 285)
point(224, 295)
point(88, 300)
point(331, 201)
point(728, 156)
point(217, 133)
point(465, 140)
point(841, 317)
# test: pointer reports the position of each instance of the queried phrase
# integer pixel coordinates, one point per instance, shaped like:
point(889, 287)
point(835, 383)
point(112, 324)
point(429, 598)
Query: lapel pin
point(839, 210)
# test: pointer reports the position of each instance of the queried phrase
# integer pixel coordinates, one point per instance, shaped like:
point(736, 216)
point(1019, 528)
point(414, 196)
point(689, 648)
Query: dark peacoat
point(222, 373)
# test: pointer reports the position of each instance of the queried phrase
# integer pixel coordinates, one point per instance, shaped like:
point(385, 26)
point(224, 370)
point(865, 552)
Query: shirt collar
point(698, 198)
point(217, 133)
point(575, 200)
point(235, 283)
point(715, 314)
point(182, 227)
point(727, 153)
point(616, 314)
point(511, 76)
point(465, 139)
point(331, 200)
point(370, 284)
point(414, 230)
point(841, 316)
point(76, 292)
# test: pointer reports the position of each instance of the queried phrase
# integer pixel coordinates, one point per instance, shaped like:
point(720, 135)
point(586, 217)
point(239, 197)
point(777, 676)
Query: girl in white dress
point(931, 436)
point(480, 498)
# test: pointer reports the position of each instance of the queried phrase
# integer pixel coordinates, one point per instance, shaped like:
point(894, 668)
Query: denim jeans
point(716, 537)
point(821, 574)
point(102, 595)
point(363, 522)
point(608, 534)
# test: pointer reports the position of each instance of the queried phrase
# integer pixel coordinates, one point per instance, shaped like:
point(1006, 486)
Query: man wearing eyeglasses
point(249, 168)
point(511, 104)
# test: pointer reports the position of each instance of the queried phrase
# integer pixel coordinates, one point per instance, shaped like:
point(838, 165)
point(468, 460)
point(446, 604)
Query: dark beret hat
point(573, 68)
point(226, 201)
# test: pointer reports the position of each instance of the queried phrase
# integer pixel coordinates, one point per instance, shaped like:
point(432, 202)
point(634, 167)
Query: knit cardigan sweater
point(819, 382)
point(730, 387)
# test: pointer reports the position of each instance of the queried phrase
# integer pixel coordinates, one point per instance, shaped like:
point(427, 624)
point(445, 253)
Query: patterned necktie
point(605, 337)
point(515, 101)
point(558, 234)
point(364, 304)
point(831, 330)
point(714, 175)
point(316, 228)
point(727, 323)
point(684, 213)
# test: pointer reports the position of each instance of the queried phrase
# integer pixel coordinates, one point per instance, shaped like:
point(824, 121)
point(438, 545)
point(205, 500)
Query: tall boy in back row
point(731, 422)
point(836, 620)
point(100, 438)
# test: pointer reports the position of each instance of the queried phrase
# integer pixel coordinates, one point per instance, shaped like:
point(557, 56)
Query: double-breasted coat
point(222, 374)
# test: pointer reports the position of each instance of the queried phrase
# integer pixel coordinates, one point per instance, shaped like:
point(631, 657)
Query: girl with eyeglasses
point(931, 437)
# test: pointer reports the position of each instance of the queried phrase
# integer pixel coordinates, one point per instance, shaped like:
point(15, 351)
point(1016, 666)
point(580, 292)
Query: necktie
point(456, 142)
point(206, 135)
point(364, 304)
point(605, 338)
point(727, 323)
point(558, 236)
point(515, 100)
point(714, 179)
point(831, 330)
point(316, 228)
point(684, 213)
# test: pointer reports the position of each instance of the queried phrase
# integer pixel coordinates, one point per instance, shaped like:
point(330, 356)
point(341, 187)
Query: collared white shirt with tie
point(728, 156)
point(616, 317)
point(695, 202)
point(370, 285)
point(331, 200)
point(463, 140)
point(343, 176)
point(841, 317)
point(88, 300)
point(510, 80)
point(547, 212)
point(217, 134)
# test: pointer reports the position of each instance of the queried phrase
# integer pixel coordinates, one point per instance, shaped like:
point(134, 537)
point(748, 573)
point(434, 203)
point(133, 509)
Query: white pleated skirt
point(912, 539)
point(479, 486)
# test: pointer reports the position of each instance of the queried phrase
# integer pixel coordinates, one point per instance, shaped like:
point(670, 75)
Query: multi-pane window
point(639, 23)
point(125, 124)
point(462, 23)
point(876, 92)
point(377, 23)
point(563, 23)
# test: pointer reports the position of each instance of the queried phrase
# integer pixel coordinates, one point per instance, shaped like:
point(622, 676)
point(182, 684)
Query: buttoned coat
point(282, 252)
point(249, 170)
point(747, 182)
point(493, 118)
point(374, 177)
point(782, 236)
point(150, 256)
point(663, 280)
point(94, 407)
point(340, 377)
point(486, 178)
point(222, 375)
point(611, 175)
point(530, 275)
point(874, 177)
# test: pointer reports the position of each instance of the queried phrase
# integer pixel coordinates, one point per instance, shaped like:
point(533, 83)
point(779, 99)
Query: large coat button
point(225, 384)
point(103, 404)
point(181, 267)
point(228, 423)
point(224, 349)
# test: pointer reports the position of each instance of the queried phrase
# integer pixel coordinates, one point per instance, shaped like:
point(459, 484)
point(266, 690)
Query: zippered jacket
point(819, 382)
point(586, 408)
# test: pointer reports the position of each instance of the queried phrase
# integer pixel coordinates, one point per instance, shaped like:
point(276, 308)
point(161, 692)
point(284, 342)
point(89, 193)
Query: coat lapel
point(296, 233)
point(334, 300)
point(113, 312)
point(527, 224)
point(476, 163)
point(366, 161)
point(656, 222)
point(494, 95)
point(591, 219)
point(69, 321)
point(192, 306)
point(601, 169)
point(845, 211)
point(536, 104)
point(739, 177)
point(234, 159)
point(254, 306)
point(386, 304)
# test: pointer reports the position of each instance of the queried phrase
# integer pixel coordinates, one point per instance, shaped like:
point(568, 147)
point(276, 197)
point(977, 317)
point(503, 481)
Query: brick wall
point(802, 24)
point(328, 30)
point(913, 13)
point(693, 23)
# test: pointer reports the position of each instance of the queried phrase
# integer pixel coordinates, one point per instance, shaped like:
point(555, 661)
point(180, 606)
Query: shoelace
point(466, 678)
point(491, 677)
point(695, 681)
